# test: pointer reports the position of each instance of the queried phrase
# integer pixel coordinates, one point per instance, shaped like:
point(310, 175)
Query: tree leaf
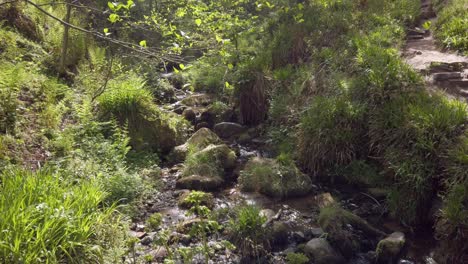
point(198, 21)
point(143, 43)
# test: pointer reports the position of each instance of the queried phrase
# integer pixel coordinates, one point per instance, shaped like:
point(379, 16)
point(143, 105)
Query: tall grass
point(44, 218)
point(450, 28)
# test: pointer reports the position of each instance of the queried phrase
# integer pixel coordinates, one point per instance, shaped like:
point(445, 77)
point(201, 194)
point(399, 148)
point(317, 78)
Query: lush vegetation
point(450, 29)
point(89, 93)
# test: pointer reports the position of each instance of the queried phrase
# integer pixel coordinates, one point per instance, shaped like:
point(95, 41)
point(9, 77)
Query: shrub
point(154, 221)
point(44, 217)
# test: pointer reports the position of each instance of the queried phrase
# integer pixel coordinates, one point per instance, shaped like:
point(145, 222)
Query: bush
point(154, 222)
point(44, 217)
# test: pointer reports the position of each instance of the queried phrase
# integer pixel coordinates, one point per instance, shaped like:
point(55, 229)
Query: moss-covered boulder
point(199, 140)
point(347, 231)
point(322, 253)
point(389, 248)
point(205, 169)
point(272, 178)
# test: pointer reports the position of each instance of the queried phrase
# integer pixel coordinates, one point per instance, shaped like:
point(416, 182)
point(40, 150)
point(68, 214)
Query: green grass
point(45, 218)
point(450, 28)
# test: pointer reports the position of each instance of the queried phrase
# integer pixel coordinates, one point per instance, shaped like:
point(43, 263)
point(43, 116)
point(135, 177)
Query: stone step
point(416, 32)
point(460, 84)
point(445, 76)
point(447, 67)
point(414, 37)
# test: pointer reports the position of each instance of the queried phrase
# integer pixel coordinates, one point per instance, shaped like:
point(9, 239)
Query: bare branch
point(8, 2)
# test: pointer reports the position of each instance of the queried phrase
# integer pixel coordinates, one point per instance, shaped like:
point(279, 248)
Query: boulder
point(322, 253)
point(389, 248)
point(199, 140)
point(228, 129)
point(189, 114)
point(221, 154)
point(271, 178)
point(324, 200)
point(279, 233)
point(201, 125)
point(197, 182)
point(347, 231)
point(268, 214)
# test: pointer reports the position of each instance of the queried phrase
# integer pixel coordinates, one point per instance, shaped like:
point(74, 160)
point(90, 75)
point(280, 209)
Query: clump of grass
point(44, 217)
point(297, 258)
point(154, 221)
point(247, 232)
point(331, 134)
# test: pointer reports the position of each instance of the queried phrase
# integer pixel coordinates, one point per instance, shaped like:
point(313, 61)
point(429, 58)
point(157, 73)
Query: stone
point(389, 248)
point(187, 225)
point(197, 182)
point(159, 253)
point(324, 200)
point(201, 125)
point(228, 129)
point(189, 114)
point(322, 253)
point(378, 193)
point(147, 240)
point(279, 233)
point(268, 214)
point(443, 76)
point(179, 109)
point(221, 153)
point(316, 231)
point(347, 231)
point(200, 139)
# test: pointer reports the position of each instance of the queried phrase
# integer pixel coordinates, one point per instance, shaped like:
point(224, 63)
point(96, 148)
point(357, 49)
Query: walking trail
point(443, 69)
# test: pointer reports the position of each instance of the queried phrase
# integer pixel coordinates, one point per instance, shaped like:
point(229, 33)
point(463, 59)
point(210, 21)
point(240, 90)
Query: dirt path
point(442, 69)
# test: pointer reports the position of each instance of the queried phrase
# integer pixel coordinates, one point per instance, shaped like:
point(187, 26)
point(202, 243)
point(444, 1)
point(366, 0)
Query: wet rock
point(316, 232)
point(347, 231)
point(197, 182)
point(389, 248)
point(201, 125)
point(197, 100)
point(189, 114)
point(187, 225)
point(179, 109)
point(268, 214)
point(139, 235)
point(298, 237)
point(269, 177)
point(324, 200)
point(228, 129)
point(244, 138)
point(279, 233)
point(207, 199)
point(146, 240)
point(322, 253)
point(443, 76)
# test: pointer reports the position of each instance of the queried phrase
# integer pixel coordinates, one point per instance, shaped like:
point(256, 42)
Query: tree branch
point(128, 45)
point(8, 2)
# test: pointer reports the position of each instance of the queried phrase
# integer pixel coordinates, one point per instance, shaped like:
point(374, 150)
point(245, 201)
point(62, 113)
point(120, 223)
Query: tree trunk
point(63, 59)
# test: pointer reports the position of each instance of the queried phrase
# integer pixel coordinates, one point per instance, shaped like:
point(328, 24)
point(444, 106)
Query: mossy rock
point(269, 177)
point(197, 182)
point(388, 249)
point(346, 231)
point(199, 140)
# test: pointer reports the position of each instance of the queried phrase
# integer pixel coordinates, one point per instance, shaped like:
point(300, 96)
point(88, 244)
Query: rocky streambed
point(328, 224)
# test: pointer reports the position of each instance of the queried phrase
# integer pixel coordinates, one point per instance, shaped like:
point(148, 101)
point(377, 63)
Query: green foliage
point(11, 79)
point(296, 258)
point(44, 217)
point(154, 222)
point(331, 133)
point(247, 232)
point(450, 27)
